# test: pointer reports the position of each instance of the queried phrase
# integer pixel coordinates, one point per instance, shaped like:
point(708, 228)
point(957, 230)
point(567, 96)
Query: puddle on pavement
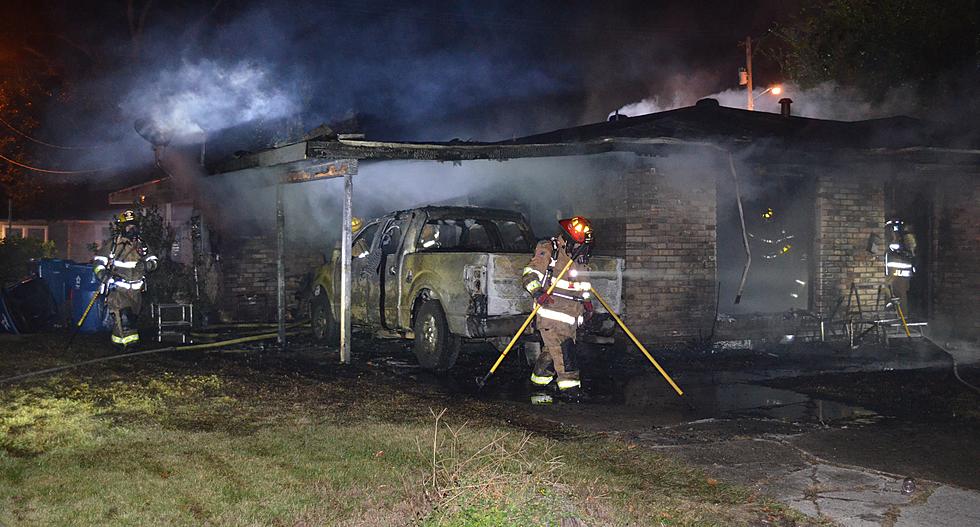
point(714, 395)
point(747, 400)
point(761, 401)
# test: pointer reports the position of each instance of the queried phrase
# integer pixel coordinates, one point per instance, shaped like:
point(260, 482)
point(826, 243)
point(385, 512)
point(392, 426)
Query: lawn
point(186, 440)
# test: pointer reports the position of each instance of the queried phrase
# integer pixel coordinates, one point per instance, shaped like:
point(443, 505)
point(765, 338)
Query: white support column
point(280, 267)
point(345, 271)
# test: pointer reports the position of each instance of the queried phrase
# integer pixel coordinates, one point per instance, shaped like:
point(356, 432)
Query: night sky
point(435, 70)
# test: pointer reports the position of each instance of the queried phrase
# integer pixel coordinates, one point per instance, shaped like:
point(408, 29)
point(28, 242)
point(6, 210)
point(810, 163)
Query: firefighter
point(564, 310)
point(121, 267)
point(899, 261)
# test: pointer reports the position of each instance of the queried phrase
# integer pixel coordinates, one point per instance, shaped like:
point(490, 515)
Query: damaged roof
point(704, 125)
point(709, 121)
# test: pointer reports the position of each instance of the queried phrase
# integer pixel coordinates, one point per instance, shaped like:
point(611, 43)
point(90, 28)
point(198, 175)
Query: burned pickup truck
point(439, 275)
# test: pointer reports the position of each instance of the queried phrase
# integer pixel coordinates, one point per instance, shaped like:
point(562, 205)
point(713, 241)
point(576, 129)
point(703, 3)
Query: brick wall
point(957, 267)
point(610, 235)
point(670, 247)
point(849, 208)
point(249, 268)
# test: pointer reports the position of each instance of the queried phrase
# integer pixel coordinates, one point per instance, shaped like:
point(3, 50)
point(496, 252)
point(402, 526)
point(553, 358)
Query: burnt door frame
point(391, 264)
point(361, 280)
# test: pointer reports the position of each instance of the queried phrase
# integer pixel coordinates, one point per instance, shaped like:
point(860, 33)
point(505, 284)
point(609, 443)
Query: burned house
point(686, 195)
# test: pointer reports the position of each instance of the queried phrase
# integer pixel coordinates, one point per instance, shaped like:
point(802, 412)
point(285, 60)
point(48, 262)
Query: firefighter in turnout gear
point(564, 310)
point(121, 267)
point(899, 261)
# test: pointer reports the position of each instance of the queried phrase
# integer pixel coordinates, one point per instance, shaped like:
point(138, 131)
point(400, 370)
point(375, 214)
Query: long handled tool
point(481, 381)
point(905, 325)
point(78, 325)
point(637, 342)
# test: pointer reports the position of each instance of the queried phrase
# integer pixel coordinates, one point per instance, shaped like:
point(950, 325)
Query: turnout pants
point(124, 306)
point(557, 355)
point(899, 286)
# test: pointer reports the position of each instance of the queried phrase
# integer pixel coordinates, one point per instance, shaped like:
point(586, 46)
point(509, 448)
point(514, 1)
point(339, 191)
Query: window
point(37, 232)
point(469, 234)
point(512, 237)
point(362, 242)
point(391, 239)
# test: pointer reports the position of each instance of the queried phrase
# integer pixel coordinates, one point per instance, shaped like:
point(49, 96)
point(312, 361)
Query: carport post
point(345, 278)
point(280, 267)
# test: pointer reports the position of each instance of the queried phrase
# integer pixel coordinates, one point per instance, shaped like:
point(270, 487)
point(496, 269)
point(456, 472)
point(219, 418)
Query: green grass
point(232, 446)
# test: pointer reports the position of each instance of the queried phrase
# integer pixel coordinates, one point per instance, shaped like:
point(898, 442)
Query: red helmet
point(578, 228)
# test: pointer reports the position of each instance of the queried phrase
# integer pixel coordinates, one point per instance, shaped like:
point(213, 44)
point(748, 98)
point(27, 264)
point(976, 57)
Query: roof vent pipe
point(784, 105)
point(617, 117)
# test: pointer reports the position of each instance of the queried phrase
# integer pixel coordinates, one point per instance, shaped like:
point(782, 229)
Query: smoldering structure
point(662, 190)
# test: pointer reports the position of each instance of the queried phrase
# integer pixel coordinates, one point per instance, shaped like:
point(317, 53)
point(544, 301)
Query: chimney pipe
point(204, 146)
point(784, 106)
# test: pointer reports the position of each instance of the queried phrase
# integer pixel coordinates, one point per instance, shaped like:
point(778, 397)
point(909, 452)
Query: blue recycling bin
point(55, 273)
point(7, 324)
point(83, 285)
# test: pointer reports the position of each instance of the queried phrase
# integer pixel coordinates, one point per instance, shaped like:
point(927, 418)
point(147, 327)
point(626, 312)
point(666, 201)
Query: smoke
point(206, 94)
point(824, 101)
point(544, 189)
point(263, 73)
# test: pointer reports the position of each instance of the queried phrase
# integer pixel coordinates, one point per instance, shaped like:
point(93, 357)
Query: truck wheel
point(435, 347)
point(325, 328)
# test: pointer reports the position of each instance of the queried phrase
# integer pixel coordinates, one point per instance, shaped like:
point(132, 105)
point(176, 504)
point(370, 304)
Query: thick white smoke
point(207, 95)
point(824, 101)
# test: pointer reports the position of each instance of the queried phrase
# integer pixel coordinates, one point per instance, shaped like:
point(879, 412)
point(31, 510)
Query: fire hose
point(191, 347)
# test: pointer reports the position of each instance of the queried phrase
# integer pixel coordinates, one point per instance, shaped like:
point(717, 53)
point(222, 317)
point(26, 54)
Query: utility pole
point(748, 73)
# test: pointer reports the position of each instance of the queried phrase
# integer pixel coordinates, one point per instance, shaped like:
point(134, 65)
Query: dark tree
point(18, 90)
point(877, 45)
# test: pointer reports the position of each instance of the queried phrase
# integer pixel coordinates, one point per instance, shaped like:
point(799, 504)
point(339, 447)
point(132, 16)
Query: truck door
point(363, 273)
point(391, 248)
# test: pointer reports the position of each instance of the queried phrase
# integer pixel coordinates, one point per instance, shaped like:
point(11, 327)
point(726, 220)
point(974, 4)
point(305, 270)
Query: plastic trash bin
point(27, 307)
point(54, 273)
point(7, 324)
point(84, 285)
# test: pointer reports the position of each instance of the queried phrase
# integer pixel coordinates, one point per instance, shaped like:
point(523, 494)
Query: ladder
point(892, 321)
point(858, 323)
point(174, 322)
point(885, 319)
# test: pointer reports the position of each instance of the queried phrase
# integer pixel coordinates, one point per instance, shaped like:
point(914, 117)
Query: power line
point(47, 170)
point(40, 142)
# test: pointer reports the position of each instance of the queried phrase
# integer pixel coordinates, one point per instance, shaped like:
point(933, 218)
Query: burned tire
point(435, 347)
point(326, 329)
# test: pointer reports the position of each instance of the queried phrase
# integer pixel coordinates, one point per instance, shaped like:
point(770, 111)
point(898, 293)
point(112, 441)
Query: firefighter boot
point(569, 384)
point(128, 336)
point(542, 377)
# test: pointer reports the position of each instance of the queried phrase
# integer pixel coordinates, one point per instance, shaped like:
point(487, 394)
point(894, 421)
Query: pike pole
point(78, 325)
point(905, 325)
point(481, 381)
point(637, 342)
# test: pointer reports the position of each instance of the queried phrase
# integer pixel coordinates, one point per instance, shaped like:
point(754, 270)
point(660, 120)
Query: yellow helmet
point(355, 224)
point(126, 216)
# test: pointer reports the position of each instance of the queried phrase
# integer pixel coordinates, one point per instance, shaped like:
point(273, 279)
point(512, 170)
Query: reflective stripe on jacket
point(126, 260)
